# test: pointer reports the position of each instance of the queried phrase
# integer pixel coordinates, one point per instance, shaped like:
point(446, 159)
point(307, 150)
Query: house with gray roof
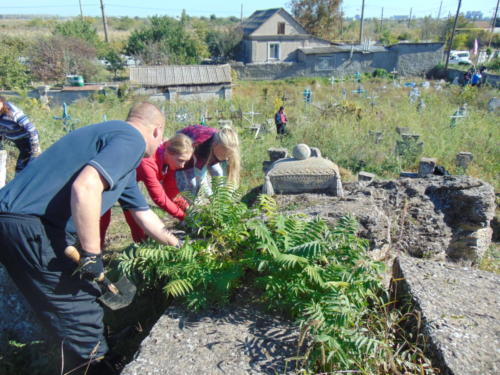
point(183, 82)
point(273, 36)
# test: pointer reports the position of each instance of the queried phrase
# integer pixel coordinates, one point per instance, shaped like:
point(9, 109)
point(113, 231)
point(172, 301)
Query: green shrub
point(320, 277)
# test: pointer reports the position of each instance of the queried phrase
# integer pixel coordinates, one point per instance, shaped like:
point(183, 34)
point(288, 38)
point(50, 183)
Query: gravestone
point(409, 146)
point(365, 177)
point(376, 136)
point(402, 130)
point(414, 94)
point(494, 105)
point(421, 105)
point(463, 160)
point(426, 167)
point(276, 153)
point(301, 151)
point(223, 123)
point(315, 152)
point(303, 174)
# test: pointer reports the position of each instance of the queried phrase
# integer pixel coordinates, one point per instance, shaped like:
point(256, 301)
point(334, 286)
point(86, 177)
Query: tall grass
point(341, 133)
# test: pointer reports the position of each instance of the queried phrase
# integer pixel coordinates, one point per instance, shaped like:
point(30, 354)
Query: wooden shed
point(183, 82)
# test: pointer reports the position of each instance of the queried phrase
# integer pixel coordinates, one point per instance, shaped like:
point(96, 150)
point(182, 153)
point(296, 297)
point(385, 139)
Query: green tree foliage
point(114, 61)
point(223, 44)
point(165, 40)
point(388, 38)
point(51, 59)
point(319, 17)
point(79, 28)
point(13, 73)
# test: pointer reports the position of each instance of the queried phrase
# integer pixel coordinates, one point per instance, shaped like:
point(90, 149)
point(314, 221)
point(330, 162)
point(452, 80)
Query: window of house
point(274, 51)
point(281, 28)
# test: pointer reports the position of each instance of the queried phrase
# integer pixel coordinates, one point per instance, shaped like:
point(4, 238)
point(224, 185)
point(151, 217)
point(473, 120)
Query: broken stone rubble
point(438, 217)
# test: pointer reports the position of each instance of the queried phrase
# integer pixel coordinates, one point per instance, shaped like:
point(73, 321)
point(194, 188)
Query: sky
point(226, 8)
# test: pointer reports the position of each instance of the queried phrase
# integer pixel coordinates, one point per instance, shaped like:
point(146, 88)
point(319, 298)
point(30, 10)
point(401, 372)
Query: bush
point(381, 73)
point(164, 41)
point(51, 59)
point(80, 29)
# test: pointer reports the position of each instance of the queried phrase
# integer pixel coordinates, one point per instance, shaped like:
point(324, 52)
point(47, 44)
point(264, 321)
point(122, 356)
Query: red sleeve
point(148, 173)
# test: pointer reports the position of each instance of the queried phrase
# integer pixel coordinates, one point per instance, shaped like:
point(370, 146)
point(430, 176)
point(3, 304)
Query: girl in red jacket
point(158, 175)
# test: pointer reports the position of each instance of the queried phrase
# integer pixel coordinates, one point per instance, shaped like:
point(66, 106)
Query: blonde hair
point(228, 138)
point(180, 144)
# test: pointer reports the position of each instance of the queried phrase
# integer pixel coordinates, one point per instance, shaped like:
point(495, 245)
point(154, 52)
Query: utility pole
point(104, 22)
point(409, 18)
point(81, 9)
point(494, 20)
point(493, 23)
point(241, 13)
point(439, 12)
point(381, 19)
point(362, 20)
point(341, 24)
point(452, 35)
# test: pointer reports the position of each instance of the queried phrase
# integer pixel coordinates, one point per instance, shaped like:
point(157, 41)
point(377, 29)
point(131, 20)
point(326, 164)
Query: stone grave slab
point(460, 309)
point(235, 341)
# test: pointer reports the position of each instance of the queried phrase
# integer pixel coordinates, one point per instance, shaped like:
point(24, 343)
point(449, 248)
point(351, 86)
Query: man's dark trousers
point(65, 304)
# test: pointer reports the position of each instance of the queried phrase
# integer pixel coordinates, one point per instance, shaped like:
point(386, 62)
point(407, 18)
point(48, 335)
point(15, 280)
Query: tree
point(114, 61)
point(164, 41)
point(222, 44)
point(79, 28)
point(13, 73)
point(319, 17)
point(51, 59)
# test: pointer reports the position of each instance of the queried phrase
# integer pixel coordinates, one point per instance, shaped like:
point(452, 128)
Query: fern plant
point(323, 279)
point(318, 276)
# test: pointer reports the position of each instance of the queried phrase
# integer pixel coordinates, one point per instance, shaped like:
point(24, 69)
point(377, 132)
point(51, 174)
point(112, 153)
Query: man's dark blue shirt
point(43, 188)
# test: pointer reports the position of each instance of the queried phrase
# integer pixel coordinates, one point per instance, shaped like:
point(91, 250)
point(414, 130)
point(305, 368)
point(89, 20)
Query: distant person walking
point(280, 120)
point(17, 127)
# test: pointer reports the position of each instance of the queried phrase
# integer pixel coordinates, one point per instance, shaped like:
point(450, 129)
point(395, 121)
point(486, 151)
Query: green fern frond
point(267, 205)
point(313, 272)
point(289, 260)
point(308, 250)
point(178, 288)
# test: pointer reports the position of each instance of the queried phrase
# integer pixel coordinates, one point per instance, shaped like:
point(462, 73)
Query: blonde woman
point(211, 148)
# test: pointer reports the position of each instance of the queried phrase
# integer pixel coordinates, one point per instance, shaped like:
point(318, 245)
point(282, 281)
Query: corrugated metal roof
point(178, 75)
point(257, 18)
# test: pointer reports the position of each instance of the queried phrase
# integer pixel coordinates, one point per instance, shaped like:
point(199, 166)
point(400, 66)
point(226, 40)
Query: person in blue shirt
point(17, 127)
point(62, 194)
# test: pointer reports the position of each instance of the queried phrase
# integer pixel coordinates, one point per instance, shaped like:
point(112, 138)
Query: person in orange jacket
point(157, 172)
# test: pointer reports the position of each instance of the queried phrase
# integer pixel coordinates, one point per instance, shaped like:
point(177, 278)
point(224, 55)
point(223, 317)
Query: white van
point(460, 57)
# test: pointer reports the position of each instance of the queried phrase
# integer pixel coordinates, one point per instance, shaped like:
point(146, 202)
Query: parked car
point(460, 57)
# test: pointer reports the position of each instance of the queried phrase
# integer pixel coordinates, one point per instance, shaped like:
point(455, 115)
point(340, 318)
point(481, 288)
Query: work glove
point(90, 266)
point(180, 243)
